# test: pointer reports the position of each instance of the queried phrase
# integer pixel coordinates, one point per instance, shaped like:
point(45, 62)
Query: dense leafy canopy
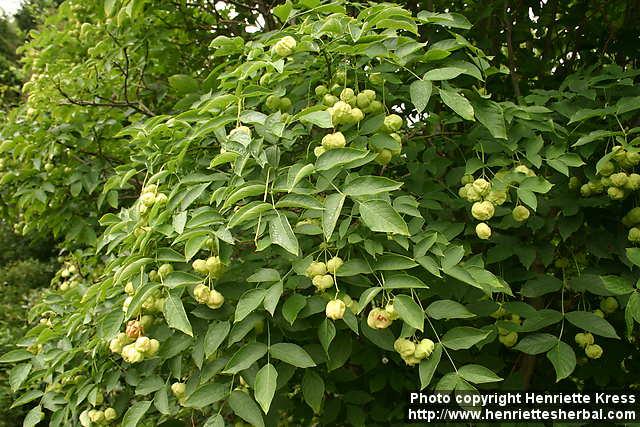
point(326, 203)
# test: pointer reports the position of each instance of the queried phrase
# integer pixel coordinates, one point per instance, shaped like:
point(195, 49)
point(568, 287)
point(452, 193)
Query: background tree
point(544, 42)
point(27, 264)
point(8, 64)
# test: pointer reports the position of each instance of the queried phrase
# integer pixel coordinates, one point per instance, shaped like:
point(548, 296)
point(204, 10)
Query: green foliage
point(215, 193)
point(33, 12)
point(9, 80)
point(21, 279)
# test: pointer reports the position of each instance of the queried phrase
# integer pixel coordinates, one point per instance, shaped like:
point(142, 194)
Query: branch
point(328, 61)
point(124, 70)
point(265, 11)
point(141, 82)
point(139, 107)
point(97, 137)
point(89, 153)
point(126, 75)
point(548, 40)
point(242, 5)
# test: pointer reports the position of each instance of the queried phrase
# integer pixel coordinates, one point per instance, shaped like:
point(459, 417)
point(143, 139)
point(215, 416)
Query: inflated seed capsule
point(110, 414)
point(384, 157)
point(131, 355)
point(165, 270)
point(329, 100)
point(393, 123)
point(424, 348)
point(333, 140)
point(340, 113)
point(334, 264)
point(466, 179)
point(147, 199)
point(585, 190)
point(619, 179)
point(391, 310)
point(404, 347)
point(321, 90)
point(323, 282)
point(272, 102)
point(496, 197)
point(619, 153)
point(462, 192)
point(161, 199)
point(374, 107)
point(285, 46)
point(607, 168)
point(201, 293)
point(633, 182)
point(615, 193)
point(215, 300)
point(508, 340)
point(633, 158)
point(316, 268)
point(356, 115)
point(520, 213)
point(335, 309)
point(200, 266)
point(348, 95)
point(265, 79)
point(178, 389)
point(362, 100)
point(482, 211)
point(379, 318)
point(584, 339)
point(335, 89)
point(632, 217)
point(285, 104)
point(472, 193)
point(483, 231)
point(369, 94)
point(482, 186)
point(596, 187)
point(609, 305)
point(593, 351)
point(525, 170)
point(96, 416)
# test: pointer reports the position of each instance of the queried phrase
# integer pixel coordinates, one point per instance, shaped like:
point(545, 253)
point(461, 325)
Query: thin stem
point(443, 347)
point(564, 283)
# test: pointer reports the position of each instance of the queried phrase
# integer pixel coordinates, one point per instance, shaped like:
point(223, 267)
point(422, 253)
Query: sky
point(10, 6)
